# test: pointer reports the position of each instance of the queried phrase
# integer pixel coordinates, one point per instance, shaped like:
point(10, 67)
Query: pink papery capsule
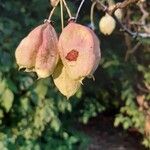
point(47, 56)
point(27, 49)
point(39, 51)
point(79, 49)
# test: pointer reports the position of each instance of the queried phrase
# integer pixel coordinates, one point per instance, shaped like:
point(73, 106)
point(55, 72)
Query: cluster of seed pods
point(69, 60)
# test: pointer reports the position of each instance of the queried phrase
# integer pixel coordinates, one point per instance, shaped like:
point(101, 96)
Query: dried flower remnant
point(64, 83)
point(79, 50)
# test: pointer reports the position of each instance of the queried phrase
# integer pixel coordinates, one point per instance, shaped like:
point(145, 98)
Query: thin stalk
point(52, 11)
point(78, 11)
point(67, 8)
point(92, 15)
point(62, 14)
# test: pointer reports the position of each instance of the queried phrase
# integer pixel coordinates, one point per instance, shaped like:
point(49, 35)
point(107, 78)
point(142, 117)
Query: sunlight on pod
point(79, 49)
point(107, 24)
point(64, 83)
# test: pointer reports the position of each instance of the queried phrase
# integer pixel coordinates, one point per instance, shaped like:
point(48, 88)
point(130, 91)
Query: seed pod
point(79, 50)
point(107, 24)
point(27, 49)
point(47, 55)
point(39, 51)
point(64, 83)
point(119, 14)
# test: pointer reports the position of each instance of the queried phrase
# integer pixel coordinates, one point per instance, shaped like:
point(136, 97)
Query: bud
point(39, 51)
point(47, 55)
point(79, 50)
point(107, 24)
point(26, 51)
point(119, 14)
point(64, 83)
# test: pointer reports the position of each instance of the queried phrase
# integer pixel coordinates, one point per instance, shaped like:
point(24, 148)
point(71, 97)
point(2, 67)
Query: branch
point(128, 31)
point(143, 89)
point(144, 17)
point(121, 5)
point(131, 51)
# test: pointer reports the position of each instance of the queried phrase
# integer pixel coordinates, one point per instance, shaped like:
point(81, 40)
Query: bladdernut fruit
point(63, 82)
point(107, 24)
point(79, 49)
point(38, 51)
point(47, 55)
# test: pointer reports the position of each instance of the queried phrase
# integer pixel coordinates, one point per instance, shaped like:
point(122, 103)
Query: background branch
point(121, 5)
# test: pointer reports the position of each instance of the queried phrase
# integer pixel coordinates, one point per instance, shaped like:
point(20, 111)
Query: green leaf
point(7, 99)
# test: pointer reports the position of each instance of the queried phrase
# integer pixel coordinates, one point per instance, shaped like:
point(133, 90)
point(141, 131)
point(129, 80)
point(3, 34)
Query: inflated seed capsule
point(38, 51)
point(47, 55)
point(79, 49)
point(64, 83)
point(107, 24)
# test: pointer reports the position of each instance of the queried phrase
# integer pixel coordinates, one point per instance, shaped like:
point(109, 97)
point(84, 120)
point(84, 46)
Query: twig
point(144, 17)
point(78, 11)
point(121, 5)
point(147, 86)
point(131, 51)
point(142, 88)
point(131, 33)
point(124, 28)
point(91, 15)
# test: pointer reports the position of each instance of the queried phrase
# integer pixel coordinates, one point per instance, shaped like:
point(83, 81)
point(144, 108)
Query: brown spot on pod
point(81, 38)
point(72, 55)
point(64, 83)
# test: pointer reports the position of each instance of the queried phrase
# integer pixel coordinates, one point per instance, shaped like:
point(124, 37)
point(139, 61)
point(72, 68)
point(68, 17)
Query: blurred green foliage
point(34, 115)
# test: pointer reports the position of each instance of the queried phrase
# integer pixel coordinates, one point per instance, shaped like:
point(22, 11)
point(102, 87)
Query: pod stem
point(67, 8)
point(78, 11)
point(52, 11)
point(92, 15)
point(62, 14)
